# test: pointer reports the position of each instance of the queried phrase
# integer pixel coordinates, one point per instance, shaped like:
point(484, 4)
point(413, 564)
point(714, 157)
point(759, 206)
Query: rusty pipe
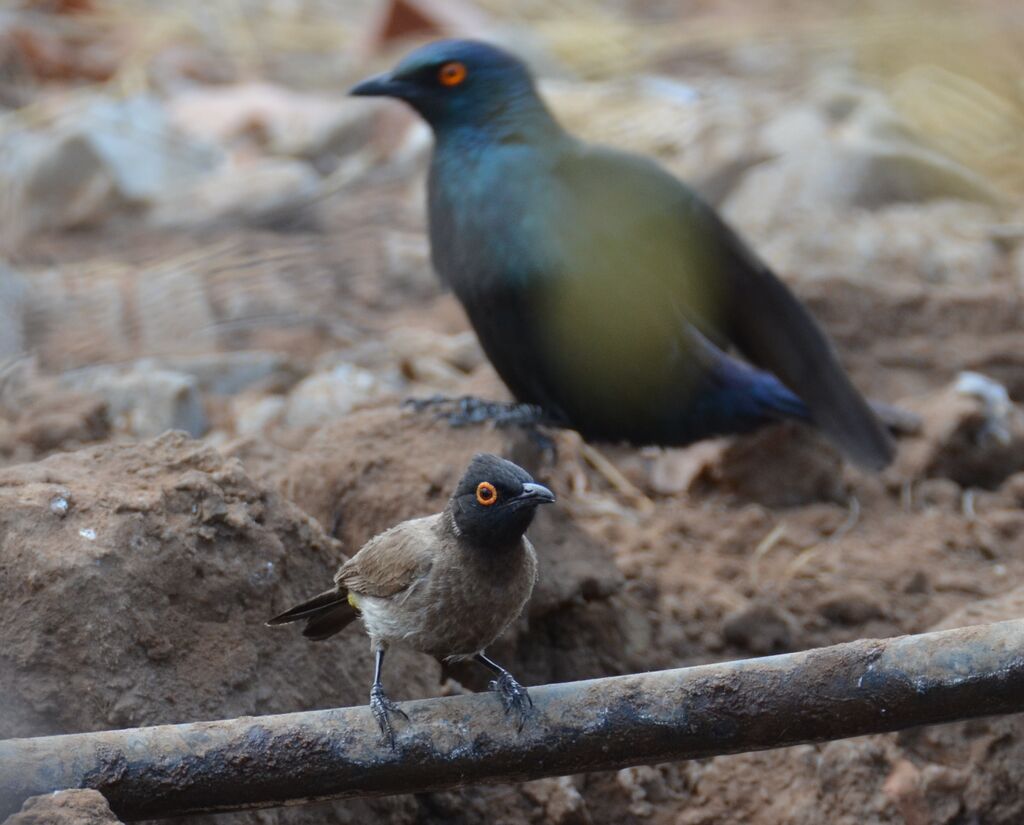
point(836, 692)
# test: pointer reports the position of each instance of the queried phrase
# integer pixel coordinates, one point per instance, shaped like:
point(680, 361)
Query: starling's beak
point(536, 493)
point(380, 85)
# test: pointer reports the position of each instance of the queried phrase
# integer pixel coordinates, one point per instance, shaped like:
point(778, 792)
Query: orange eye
point(486, 494)
point(452, 74)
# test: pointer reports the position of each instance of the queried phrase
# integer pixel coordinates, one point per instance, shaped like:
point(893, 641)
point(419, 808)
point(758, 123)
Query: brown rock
point(560, 801)
point(63, 419)
point(780, 466)
point(975, 441)
point(761, 628)
point(674, 471)
point(1009, 605)
point(969, 769)
point(73, 807)
point(903, 786)
point(850, 606)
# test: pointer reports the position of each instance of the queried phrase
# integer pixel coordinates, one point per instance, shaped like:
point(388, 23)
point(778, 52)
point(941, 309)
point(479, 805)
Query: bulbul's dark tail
point(325, 615)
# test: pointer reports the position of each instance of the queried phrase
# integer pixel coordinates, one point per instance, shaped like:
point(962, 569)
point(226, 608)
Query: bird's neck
point(524, 120)
point(494, 538)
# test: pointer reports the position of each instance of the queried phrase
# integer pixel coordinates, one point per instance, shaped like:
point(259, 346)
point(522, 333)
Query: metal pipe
point(836, 692)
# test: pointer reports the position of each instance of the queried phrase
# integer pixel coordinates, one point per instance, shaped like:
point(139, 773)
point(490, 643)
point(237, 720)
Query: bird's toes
point(387, 733)
point(468, 410)
point(443, 405)
point(518, 415)
point(458, 412)
point(514, 697)
point(420, 404)
point(382, 707)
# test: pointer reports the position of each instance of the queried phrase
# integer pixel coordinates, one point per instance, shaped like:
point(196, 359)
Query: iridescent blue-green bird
point(602, 289)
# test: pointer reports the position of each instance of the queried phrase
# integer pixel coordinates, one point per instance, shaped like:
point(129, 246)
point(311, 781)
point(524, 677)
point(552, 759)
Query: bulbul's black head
point(495, 501)
point(459, 82)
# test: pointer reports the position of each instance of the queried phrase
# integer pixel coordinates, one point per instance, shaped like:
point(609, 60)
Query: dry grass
point(955, 70)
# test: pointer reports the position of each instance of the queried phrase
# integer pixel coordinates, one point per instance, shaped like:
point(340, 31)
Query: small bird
point(604, 292)
point(447, 584)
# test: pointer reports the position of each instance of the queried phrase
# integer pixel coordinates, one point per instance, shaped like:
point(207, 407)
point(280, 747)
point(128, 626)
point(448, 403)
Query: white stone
point(93, 156)
point(324, 397)
point(265, 192)
point(144, 401)
point(253, 417)
point(229, 373)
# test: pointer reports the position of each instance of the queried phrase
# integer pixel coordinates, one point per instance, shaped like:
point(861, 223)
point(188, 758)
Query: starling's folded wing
point(635, 217)
point(393, 561)
point(776, 332)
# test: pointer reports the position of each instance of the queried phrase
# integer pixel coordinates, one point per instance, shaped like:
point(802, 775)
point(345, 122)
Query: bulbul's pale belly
point(455, 614)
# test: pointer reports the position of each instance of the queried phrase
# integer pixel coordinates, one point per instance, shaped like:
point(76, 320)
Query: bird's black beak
point(536, 493)
point(380, 85)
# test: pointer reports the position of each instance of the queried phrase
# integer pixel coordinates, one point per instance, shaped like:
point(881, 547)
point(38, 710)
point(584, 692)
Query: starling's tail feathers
point(777, 334)
point(325, 615)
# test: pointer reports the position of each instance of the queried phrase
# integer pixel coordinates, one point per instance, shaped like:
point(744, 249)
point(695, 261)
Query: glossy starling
point(603, 290)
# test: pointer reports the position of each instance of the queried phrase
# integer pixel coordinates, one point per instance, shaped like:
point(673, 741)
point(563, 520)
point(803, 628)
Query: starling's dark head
point(454, 83)
point(495, 501)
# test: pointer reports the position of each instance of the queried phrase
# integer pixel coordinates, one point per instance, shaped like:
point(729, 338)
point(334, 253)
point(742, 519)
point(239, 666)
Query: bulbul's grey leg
point(381, 705)
point(514, 697)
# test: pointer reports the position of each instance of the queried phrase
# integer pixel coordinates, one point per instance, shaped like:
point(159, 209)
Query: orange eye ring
point(452, 74)
point(486, 494)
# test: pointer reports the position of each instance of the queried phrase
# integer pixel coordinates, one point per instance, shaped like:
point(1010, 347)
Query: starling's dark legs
point(514, 697)
point(381, 705)
point(468, 409)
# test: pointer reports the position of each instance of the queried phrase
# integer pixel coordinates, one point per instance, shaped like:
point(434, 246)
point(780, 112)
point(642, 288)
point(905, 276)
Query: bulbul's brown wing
point(385, 566)
point(391, 562)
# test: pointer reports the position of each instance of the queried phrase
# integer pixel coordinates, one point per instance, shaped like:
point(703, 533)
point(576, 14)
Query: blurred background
point(192, 179)
point(199, 231)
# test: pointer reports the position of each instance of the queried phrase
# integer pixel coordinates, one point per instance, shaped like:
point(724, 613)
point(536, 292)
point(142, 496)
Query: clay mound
point(134, 590)
point(137, 578)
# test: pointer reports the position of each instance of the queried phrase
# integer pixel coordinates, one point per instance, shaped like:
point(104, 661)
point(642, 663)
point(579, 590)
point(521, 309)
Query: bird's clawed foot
point(381, 707)
point(467, 409)
point(514, 697)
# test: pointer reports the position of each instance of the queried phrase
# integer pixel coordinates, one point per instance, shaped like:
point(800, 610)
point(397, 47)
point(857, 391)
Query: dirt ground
point(741, 547)
point(137, 566)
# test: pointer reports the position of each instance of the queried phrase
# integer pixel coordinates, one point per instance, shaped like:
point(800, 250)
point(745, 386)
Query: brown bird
point(446, 584)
